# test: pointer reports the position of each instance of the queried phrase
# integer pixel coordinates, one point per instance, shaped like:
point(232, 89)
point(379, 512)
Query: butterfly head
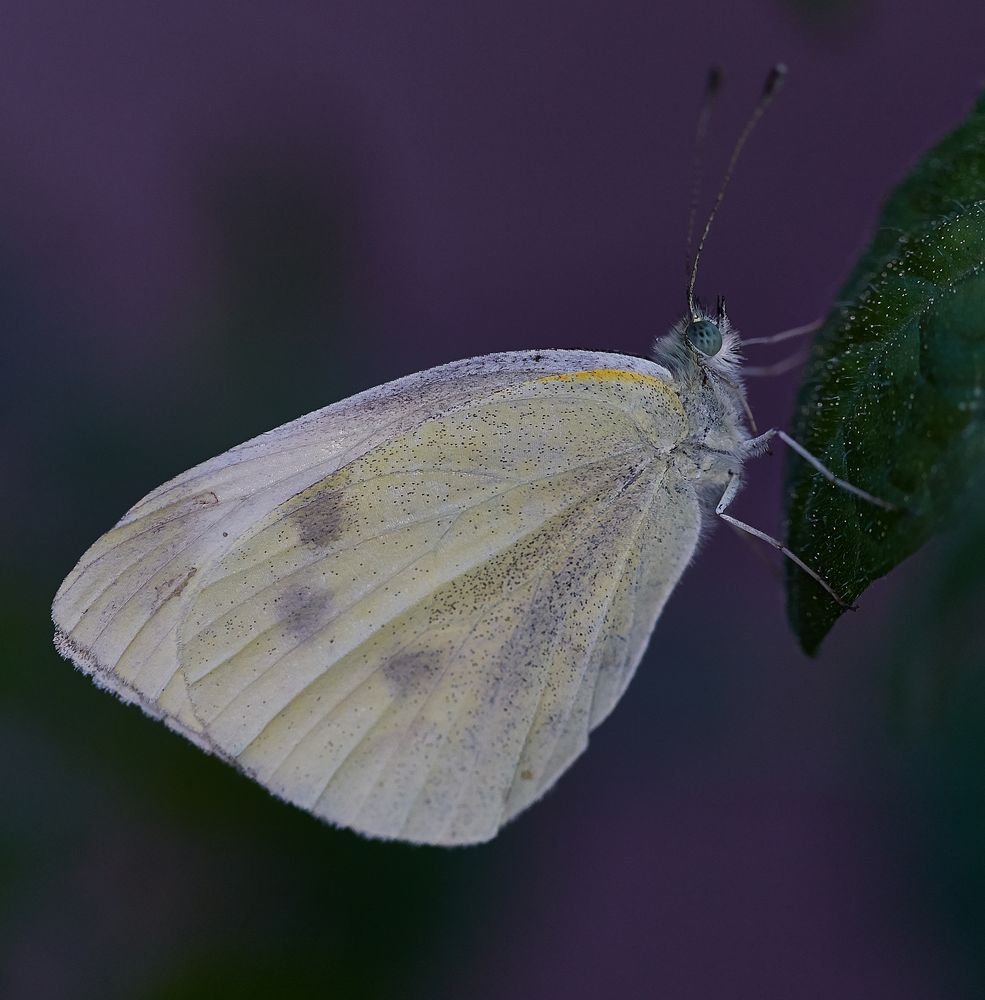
point(701, 341)
point(702, 353)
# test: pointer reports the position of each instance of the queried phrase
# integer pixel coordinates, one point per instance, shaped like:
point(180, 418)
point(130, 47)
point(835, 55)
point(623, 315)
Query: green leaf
point(893, 397)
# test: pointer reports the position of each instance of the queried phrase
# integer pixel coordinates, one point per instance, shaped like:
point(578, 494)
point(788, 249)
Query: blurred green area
point(936, 680)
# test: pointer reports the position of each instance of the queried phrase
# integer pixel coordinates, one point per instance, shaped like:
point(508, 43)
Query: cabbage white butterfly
point(405, 612)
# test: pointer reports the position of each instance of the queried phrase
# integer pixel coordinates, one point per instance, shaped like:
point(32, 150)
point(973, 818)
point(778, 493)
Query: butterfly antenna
point(712, 87)
point(770, 90)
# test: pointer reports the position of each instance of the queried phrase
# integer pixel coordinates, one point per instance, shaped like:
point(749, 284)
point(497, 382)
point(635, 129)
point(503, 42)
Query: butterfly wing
point(405, 612)
point(116, 613)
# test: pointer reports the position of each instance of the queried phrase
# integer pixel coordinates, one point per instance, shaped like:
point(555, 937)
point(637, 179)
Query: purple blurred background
point(215, 217)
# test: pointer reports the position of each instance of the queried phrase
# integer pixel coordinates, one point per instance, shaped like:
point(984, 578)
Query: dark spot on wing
point(183, 582)
point(173, 587)
point(320, 518)
point(526, 774)
point(306, 609)
point(406, 673)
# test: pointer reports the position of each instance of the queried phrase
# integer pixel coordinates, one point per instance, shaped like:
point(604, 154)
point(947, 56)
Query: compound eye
point(704, 335)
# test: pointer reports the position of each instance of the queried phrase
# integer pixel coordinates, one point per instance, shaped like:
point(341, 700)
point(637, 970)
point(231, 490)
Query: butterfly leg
point(728, 496)
point(777, 368)
point(757, 444)
point(775, 338)
point(788, 363)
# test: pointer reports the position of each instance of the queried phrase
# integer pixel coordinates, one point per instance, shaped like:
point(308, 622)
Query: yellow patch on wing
point(607, 374)
point(651, 401)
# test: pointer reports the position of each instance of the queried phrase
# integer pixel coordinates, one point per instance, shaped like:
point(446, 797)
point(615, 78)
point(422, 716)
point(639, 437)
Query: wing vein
point(499, 681)
point(644, 513)
point(407, 523)
point(580, 534)
point(138, 590)
point(324, 557)
point(381, 583)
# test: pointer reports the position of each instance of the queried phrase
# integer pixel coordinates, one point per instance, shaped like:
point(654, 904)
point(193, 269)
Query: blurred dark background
point(216, 217)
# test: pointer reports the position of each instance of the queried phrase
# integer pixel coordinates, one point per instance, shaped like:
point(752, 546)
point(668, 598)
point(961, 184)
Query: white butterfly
point(407, 611)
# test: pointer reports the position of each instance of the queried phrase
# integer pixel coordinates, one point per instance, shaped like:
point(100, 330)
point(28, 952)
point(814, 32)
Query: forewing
point(418, 645)
point(117, 612)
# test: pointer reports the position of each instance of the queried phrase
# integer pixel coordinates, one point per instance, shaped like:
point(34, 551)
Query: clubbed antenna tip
point(714, 81)
point(774, 80)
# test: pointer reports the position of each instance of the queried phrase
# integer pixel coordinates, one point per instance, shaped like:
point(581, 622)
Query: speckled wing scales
point(417, 645)
point(117, 611)
point(403, 612)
